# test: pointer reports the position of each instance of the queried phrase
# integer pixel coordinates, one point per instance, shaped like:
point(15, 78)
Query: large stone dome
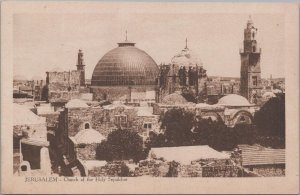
point(125, 65)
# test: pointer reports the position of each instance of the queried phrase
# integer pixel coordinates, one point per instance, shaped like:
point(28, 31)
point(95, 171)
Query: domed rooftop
point(125, 65)
point(234, 100)
point(88, 136)
point(173, 99)
point(268, 94)
point(186, 58)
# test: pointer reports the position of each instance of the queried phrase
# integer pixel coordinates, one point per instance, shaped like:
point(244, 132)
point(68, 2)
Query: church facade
point(184, 75)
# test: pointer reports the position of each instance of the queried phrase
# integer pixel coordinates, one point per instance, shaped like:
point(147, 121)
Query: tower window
point(147, 125)
point(121, 120)
point(86, 126)
point(254, 80)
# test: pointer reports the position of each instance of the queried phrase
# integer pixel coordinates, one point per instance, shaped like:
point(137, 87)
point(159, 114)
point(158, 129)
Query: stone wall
point(220, 171)
point(121, 93)
point(192, 170)
point(52, 120)
point(162, 168)
point(269, 170)
point(64, 85)
point(58, 95)
point(138, 124)
point(154, 168)
point(110, 93)
point(66, 78)
point(104, 120)
point(36, 131)
point(86, 152)
point(111, 169)
point(77, 117)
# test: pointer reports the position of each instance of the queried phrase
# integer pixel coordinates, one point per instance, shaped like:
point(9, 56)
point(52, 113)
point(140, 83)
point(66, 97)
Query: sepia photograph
point(127, 94)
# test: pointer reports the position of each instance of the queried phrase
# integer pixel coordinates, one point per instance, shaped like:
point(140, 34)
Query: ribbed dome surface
point(125, 65)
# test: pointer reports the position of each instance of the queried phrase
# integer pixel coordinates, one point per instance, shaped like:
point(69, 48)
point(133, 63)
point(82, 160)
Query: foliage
point(124, 170)
point(270, 119)
point(220, 137)
point(178, 124)
point(173, 169)
point(121, 145)
point(183, 129)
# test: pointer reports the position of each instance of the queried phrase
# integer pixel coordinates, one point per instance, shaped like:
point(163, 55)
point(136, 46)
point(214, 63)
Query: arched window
point(242, 119)
point(23, 168)
point(86, 125)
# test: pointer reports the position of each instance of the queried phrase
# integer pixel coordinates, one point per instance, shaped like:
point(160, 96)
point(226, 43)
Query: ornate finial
point(186, 43)
point(126, 36)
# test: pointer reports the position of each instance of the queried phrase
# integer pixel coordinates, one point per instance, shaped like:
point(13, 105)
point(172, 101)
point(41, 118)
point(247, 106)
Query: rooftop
point(259, 155)
point(187, 154)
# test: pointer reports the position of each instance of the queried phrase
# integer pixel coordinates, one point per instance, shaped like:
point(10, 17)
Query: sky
point(43, 42)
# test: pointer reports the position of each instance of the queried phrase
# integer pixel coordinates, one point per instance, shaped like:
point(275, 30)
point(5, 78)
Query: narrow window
point(254, 80)
point(24, 168)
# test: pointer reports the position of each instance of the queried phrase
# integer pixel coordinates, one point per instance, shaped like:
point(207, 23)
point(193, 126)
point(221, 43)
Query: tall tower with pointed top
point(251, 84)
point(81, 67)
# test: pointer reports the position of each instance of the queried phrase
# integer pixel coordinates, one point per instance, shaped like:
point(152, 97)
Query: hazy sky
point(45, 41)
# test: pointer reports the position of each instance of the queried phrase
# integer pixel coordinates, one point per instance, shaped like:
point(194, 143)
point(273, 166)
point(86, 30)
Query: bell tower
point(81, 67)
point(251, 84)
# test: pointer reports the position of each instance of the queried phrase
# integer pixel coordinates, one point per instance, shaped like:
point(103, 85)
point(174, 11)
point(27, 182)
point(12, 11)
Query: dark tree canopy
point(178, 124)
point(121, 145)
point(270, 119)
point(183, 128)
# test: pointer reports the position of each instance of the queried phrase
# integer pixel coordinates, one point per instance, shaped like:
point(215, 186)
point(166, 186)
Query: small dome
point(268, 95)
point(88, 136)
point(76, 103)
point(186, 58)
point(276, 91)
point(125, 65)
point(173, 99)
point(233, 100)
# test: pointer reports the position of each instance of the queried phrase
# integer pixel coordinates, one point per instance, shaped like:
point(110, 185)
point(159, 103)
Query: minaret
point(251, 84)
point(81, 67)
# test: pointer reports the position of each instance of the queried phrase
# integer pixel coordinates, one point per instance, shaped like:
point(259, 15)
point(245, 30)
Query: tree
point(270, 119)
point(220, 137)
point(178, 123)
point(121, 145)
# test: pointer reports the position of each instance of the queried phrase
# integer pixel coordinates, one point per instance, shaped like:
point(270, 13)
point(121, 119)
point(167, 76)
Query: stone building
point(31, 154)
point(185, 74)
point(231, 109)
point(126, 74)
point(107, 118)
point(65, 85)
point(251, 83)
point(266, 162)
